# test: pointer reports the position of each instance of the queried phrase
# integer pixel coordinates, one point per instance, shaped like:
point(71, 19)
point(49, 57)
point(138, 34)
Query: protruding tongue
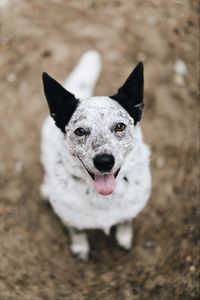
point(104, 184)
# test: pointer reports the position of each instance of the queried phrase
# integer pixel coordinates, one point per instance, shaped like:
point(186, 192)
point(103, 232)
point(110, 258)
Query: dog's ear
point(130, 95)
point(62, 103)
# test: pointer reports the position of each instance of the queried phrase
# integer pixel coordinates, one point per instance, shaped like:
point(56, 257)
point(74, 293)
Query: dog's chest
point(78, 204)
point(72, 193)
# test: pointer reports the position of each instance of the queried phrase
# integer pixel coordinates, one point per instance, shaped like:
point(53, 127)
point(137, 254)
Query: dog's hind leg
point(79, 243)
point(124, 235)
point(83, 78)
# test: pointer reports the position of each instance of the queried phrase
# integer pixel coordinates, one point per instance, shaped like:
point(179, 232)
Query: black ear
point(130, 95)
point(62, 103)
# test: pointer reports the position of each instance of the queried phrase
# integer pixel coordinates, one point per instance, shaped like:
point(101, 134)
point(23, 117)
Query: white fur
point(79, 244)
point(67, 184)
point(124, 235)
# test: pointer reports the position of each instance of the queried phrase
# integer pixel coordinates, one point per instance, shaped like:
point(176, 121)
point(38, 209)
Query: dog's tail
point(82, 80)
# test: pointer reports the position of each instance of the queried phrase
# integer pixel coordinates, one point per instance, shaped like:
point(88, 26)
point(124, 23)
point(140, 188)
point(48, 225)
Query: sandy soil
point(35, 35)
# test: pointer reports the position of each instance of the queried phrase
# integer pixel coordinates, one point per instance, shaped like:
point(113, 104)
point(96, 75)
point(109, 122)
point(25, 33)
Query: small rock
point(112, 283)
point(160, 162)
point(152, 20)
point(158, 249)
point(188, 258)
point(141, 56)
point(192, 268)
point(151, 284)
point(107, 277)
point(179, 80)
point(180, 67)
point(11, 77)
point(18, 167)
point(35, 288)
point(46, 53)
point(149, 244)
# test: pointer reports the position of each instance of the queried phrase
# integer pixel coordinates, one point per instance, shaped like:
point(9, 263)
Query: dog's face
point(99, 131)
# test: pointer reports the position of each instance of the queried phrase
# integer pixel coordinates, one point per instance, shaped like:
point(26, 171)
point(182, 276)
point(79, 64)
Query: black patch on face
point(62, 103)
point(76, 178)
point(130, 95)
point(125, 178)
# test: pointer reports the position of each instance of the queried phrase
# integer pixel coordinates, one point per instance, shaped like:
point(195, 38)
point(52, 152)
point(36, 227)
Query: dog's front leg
point(124, 235)
point(79, 243)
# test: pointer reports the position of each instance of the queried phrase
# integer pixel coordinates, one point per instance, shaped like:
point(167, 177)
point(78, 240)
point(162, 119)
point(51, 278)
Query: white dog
point(96, 163)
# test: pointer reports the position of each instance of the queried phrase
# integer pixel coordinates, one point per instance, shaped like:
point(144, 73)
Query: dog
point(96, 164)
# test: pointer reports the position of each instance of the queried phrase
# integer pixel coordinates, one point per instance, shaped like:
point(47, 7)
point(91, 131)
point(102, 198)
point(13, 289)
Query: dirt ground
point(37, 36)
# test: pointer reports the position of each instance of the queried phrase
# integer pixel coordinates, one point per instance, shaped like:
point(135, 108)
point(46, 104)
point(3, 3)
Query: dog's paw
point(79, 244)
point(81, 251)
point(124, 235)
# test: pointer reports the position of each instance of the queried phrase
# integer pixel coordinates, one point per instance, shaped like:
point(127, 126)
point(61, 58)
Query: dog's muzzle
point(104, 183)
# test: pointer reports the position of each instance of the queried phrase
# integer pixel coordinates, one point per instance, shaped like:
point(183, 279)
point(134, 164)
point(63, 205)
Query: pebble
point(180, 67)
point(152, 20)
point(107, 277)
point(160, 162)
point(158, 249)
point(141, 56)
point(149, 244)
point(188, 258)
point(179, 80)
point(151, 284)
point(192, 268)
point(11, 77)
point(18, 167)
point(47, 53)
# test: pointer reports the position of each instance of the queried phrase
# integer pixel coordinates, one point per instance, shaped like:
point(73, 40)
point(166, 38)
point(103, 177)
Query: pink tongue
point(104, 184)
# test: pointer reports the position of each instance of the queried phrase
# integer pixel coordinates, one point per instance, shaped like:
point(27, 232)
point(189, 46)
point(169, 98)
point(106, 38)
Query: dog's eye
point(120, 127)
point(80, 131)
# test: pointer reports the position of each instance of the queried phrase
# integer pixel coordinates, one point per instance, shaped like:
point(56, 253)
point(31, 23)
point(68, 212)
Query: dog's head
point(99, 130)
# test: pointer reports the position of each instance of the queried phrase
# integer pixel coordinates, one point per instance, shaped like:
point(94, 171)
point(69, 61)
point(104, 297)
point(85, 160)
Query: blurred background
point(37, 36)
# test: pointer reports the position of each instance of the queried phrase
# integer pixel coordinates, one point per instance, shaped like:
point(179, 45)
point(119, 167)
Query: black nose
point(104, 162)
